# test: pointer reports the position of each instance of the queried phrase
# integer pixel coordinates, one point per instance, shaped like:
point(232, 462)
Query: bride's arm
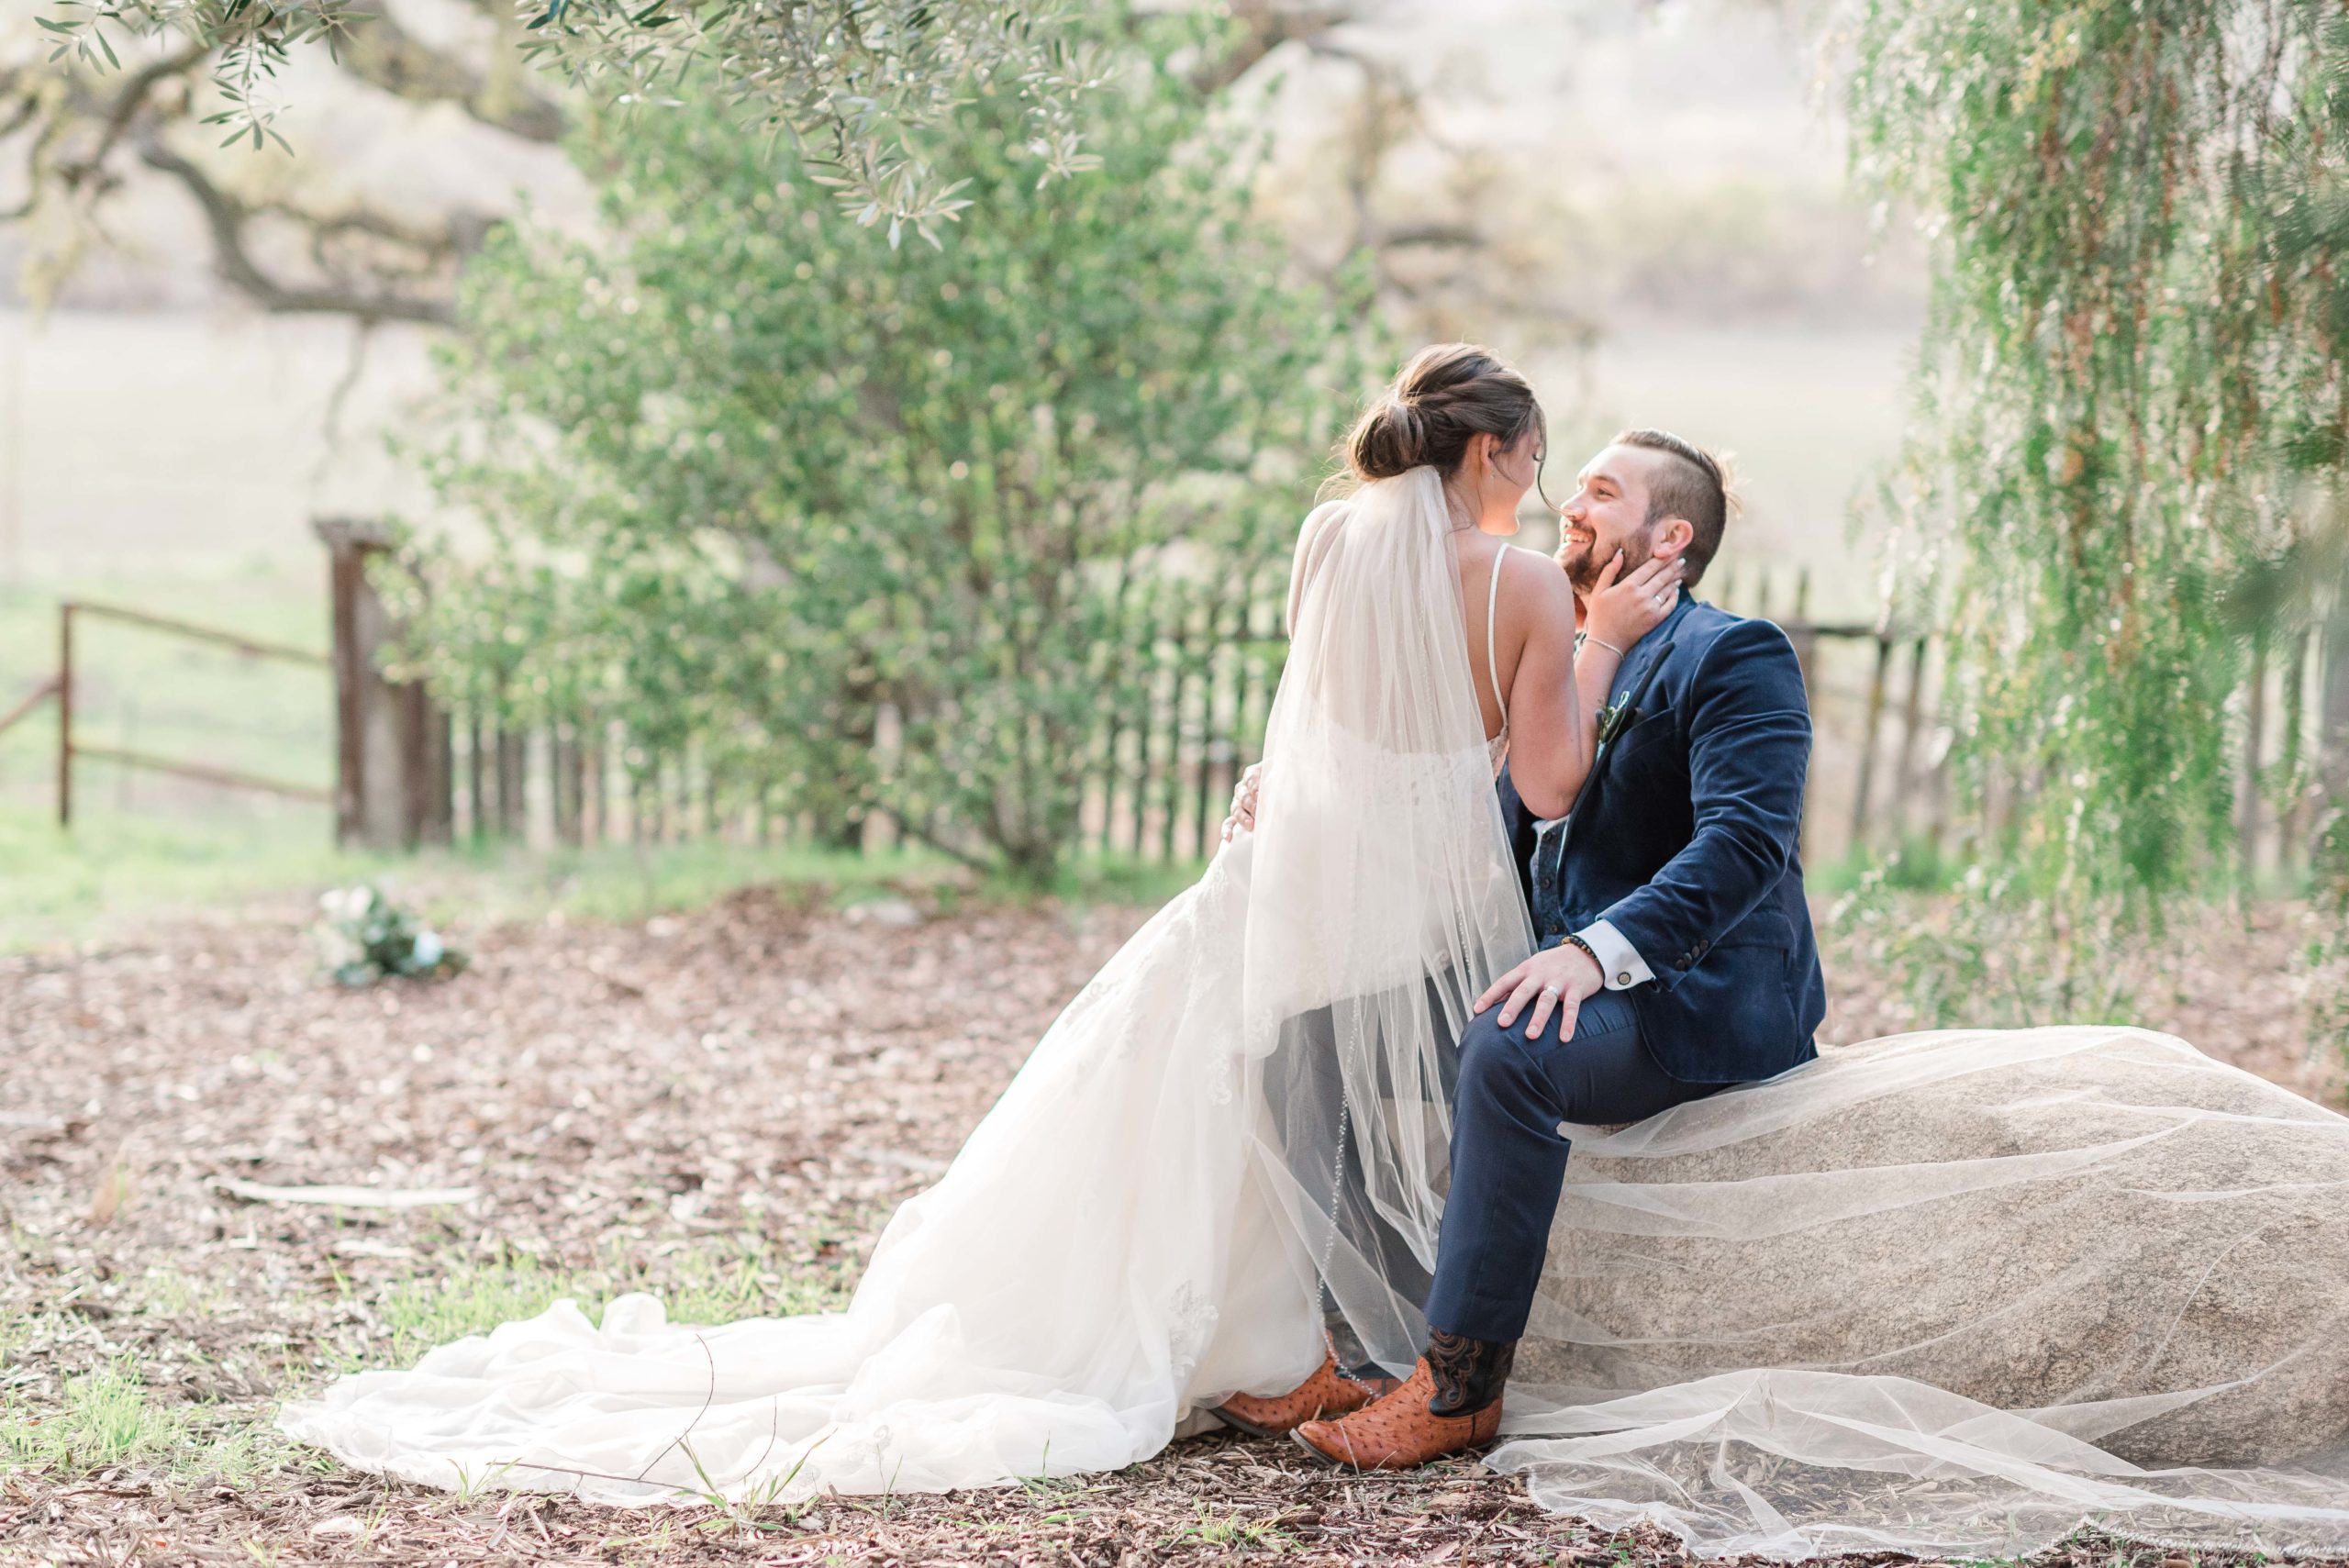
point(1553, 740)
point(1594, 667)
point(1549, 751)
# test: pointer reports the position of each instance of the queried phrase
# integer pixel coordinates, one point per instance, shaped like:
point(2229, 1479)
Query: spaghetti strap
point(1493, 665)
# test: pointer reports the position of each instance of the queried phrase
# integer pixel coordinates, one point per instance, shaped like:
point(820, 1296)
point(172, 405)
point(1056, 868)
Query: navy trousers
point(1508, 1159)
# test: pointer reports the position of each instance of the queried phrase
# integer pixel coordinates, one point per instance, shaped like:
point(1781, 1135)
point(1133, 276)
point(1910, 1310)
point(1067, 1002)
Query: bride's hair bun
point(1444, 396)
point(1388, 441)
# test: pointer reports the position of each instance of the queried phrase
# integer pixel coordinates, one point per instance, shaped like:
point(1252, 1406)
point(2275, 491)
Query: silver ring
point(1551, 992)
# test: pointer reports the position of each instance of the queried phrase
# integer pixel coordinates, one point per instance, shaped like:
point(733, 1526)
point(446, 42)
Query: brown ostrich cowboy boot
point(1328, 1392)
point(1451, 1403)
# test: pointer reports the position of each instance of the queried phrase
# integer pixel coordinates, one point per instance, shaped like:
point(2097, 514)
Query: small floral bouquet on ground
point(363, 937)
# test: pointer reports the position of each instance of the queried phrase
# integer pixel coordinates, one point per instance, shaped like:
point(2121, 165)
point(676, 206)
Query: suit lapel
point(1633, 681)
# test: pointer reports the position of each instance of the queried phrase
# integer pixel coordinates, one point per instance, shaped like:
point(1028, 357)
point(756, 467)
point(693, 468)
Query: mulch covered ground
point(727, 1102)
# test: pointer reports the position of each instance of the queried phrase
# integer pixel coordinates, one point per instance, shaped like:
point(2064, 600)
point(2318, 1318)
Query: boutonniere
point(1611, 717)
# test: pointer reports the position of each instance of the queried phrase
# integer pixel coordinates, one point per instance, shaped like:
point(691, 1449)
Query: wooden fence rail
point(1187, 683)
point(1188, 686)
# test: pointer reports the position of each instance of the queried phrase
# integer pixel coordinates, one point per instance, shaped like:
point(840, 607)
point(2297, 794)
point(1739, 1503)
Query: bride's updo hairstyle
point(1447, 395)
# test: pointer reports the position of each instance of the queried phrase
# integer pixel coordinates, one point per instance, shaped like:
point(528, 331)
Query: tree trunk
point(2332, 757)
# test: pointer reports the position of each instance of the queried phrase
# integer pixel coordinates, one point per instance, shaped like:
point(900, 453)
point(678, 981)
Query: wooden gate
point(71, 749)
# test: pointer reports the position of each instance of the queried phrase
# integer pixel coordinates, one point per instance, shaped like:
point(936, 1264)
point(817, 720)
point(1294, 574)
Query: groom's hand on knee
point(1557, 979)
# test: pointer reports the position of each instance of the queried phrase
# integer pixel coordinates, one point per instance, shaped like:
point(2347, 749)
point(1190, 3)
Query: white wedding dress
point(1947, 1292)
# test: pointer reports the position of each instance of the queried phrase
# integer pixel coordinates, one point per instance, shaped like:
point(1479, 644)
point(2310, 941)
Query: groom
point(1674, 952)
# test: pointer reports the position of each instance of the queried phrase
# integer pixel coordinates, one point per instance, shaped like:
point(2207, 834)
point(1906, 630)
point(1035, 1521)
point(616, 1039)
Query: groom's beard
point(1583, 562)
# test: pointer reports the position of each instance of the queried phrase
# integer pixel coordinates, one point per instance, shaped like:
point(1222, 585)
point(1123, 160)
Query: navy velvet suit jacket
point(1685, 838)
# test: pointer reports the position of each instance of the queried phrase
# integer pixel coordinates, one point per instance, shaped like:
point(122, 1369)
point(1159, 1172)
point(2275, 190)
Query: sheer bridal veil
point(1949, 1292)
point(1946, 1293)
point(1247, 1099)
point(1382, 903)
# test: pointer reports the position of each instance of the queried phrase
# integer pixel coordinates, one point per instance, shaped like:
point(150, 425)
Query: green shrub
point(861, 525)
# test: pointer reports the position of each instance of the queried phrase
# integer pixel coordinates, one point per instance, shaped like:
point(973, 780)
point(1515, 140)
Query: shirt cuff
point(1624, 966)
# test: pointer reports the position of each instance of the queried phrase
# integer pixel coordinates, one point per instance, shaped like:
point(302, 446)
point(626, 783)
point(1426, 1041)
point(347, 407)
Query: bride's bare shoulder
point(1313, 541)
point(1329, 514)
point(1541, 583)
point(1321, 525)
point(1535, 598)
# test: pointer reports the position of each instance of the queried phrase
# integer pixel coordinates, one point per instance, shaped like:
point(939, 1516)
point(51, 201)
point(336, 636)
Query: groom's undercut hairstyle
point(1446, 397)
point(1687, 484)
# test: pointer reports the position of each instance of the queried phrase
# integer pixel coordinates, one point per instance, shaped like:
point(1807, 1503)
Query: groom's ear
point(1673, 537)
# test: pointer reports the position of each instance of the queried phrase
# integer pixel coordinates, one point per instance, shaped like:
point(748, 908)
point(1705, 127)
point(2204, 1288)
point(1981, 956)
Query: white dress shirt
point(1621, 962)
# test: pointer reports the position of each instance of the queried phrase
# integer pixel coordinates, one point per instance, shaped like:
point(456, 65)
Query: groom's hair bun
point(1445, 396)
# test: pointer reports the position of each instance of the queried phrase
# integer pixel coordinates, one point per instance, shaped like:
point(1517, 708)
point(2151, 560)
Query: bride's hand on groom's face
point(1557, 981)
point(1621, 607)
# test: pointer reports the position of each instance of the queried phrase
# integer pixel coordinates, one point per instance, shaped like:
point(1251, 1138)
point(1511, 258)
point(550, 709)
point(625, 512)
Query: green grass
point(721, 1282)
point(629, 882)
point(1233, 1530)
point(58, 888)
point(1113, 879)
point(106, 1419)
point(108, 1416)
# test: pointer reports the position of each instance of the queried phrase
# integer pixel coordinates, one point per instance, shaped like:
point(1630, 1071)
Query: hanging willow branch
point(2131, 391)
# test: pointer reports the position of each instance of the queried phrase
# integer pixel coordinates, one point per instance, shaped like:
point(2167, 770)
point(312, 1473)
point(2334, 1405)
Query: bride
point(1944, 1292)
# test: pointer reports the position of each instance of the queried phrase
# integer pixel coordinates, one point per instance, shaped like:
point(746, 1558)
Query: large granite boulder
point(2100, 1221)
